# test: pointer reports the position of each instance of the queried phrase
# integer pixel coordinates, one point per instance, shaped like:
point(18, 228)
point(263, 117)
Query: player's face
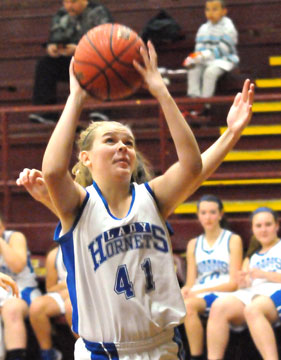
point(214, 11)
point(75, 7)
point(113, 152)
point(209, 215)
point(265, 228)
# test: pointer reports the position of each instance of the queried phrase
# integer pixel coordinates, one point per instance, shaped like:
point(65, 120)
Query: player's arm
point(64, 193)
point(51, 271)
point(14, 252)
point(238, 118)
point(191, 268)
point(189, 162)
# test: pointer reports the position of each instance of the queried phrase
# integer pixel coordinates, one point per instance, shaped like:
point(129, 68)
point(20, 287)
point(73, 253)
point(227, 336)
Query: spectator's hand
point(53, 50)
point(151, 76)
point(6, 282)
point(184, 291)
point(193, 59)
point(34, 183)
point(243, 279)
point(240, 112)
point(67, 50)
point(257, 274)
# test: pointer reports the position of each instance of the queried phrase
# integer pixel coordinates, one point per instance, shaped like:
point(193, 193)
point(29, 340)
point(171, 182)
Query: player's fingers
point(251, 94)
point(152, 53)
point(138, 67)
point(237, 99)
point(145, 57)
point(245, 90)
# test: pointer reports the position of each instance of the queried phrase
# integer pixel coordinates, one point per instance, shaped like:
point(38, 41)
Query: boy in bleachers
point(215, 51)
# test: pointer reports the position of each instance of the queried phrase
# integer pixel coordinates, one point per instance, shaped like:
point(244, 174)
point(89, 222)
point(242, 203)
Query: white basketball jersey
point(268, 261)
point(61, 270)
point(25, 278)
point(212, 262)
point(121, 275)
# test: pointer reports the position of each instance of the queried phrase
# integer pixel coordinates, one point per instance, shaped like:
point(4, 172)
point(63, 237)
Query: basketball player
point(116, 248)
point(15, 262)
point(213, 259)
point(258, 301)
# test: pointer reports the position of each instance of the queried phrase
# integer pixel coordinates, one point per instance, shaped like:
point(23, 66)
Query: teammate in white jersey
point(116, 248)
point(15, 262)
point(213, 259)
point(258, 301)
point(50, 305)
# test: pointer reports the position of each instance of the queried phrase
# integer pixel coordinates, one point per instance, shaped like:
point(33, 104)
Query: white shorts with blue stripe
point(160, 347)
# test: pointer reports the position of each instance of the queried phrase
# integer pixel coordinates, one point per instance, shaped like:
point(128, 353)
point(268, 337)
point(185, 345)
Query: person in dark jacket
point(68, 25)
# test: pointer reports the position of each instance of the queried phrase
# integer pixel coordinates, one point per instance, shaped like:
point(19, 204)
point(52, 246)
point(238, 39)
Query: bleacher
point(251, 173)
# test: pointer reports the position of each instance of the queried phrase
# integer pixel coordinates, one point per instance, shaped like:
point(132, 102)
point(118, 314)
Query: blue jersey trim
point(132, 190)
point(258, 252)
point(67, 247)
point(216, 244)
point(102, 350)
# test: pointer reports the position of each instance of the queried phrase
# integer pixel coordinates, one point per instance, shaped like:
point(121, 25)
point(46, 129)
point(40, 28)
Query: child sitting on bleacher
point(213, 260)
point(258, 301)
point(215, 51)
point(15, 262)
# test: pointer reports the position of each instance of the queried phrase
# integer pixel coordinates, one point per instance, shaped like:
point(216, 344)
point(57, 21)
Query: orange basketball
point(103, 61)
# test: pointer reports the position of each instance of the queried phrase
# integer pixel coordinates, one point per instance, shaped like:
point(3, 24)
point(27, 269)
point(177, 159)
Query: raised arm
point(65, 195)
point(238, 118)
point(170, 188)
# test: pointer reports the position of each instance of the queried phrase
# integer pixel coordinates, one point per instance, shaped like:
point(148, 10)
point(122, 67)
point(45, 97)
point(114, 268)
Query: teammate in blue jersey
point(116, 248)
point(258, 301)
point(213, 259)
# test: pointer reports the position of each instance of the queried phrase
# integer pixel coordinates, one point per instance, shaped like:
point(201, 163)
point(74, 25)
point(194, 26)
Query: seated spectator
point(258, 301)
point(15, 262)
point(69, 24)
point(213, 260)
point(214, 54)
point(50, 305)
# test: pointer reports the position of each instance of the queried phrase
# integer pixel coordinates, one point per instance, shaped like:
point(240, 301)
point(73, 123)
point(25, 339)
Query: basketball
point(103, 62)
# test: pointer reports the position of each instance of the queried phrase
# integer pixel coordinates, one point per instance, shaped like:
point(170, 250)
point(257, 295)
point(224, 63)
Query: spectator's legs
point(260, 314)
point(194, 81)
point(48, 72)
point(193, 325)
point(41, 310)
point(210, 77)
point(222, 313)
point(14, 311)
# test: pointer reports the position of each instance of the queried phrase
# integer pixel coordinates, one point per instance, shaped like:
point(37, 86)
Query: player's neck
point(211, 235)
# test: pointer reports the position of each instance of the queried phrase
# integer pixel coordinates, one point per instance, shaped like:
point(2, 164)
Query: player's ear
point(85, 158)
point(224, 11)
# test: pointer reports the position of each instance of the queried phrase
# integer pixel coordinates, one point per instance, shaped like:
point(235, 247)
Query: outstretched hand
point(34, 183)
point(151, 76)
point(240, 112)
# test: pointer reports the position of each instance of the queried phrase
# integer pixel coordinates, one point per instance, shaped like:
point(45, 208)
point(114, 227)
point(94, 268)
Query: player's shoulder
point(191, 244)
